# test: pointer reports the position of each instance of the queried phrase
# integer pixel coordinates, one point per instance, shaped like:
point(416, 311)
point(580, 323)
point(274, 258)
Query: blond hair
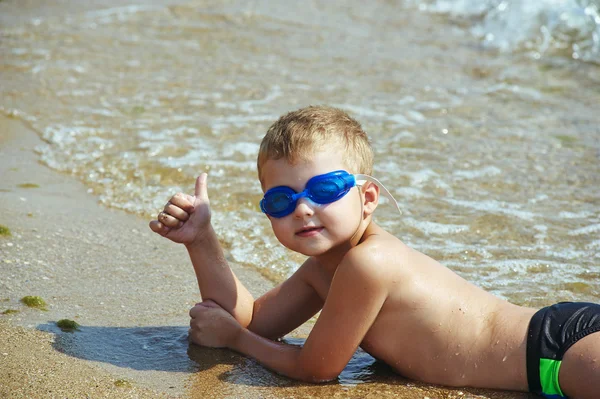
point(297, 135)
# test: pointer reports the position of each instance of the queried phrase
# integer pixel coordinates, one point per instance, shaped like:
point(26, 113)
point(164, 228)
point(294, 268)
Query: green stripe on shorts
point(549, 376)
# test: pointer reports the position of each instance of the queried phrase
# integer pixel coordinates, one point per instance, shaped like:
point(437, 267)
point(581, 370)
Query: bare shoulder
point(309, 265)
point(382, 254)
point(310, 270)
point(376, 255)
point(380, 246)
point(312, 273)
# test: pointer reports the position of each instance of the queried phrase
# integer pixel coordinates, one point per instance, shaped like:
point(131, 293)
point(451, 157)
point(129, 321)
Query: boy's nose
point(304, 207)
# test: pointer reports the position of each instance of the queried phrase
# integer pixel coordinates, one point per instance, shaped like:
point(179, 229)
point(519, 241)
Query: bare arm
point(217, 281)
point(185, 219)
point(355, 298)
point(288, 305)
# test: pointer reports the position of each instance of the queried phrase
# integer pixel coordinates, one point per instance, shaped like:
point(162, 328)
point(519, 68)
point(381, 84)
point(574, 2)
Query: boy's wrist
point(201, 238)
point(236, 342)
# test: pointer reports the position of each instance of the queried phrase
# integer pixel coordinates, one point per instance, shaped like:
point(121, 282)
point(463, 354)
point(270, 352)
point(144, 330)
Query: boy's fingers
point(201, 183)
point(200, 308)
point(168, 220)
point(195, 312)
point(182, 201)
point(159, 228)
point(176, 212)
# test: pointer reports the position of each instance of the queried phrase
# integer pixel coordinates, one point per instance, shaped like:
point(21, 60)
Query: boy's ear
point(370, 198)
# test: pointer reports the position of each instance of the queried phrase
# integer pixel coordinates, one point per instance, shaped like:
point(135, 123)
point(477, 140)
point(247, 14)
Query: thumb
point(200, 190)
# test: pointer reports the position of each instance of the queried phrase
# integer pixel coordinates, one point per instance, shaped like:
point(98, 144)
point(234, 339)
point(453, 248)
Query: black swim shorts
point(552, 331)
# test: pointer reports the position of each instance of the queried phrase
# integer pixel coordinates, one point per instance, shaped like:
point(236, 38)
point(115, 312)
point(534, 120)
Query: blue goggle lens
point(277, 202)
point(326, 191)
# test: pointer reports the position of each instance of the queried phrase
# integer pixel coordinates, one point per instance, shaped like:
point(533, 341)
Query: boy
point(373, 291)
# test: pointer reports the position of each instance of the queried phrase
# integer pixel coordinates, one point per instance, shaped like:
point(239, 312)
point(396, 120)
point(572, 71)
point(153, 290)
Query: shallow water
point(486, 134)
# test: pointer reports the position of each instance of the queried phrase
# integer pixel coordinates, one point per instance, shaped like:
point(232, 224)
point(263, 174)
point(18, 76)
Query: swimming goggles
point(322, 189)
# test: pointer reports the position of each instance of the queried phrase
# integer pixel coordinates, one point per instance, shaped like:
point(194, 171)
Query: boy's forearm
point(282, 358)
point(217, 281)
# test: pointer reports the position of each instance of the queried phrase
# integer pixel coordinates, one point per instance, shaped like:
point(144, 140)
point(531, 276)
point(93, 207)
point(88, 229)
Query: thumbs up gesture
point(185, 218)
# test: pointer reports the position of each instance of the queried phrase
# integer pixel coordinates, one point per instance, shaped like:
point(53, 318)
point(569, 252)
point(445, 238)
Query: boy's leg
point(580, 370)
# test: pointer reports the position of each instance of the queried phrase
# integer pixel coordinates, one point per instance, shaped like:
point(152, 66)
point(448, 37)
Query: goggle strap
point(361, 179)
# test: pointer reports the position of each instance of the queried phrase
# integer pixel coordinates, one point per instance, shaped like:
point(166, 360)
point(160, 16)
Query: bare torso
point(436, 327)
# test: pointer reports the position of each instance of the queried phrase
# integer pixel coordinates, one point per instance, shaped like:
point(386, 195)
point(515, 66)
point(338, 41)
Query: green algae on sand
point(566, 140)
point(34, 302)
point(67, 325)
point(10, 311)
point(122, 383)
point(4, 231)
point(28, 185)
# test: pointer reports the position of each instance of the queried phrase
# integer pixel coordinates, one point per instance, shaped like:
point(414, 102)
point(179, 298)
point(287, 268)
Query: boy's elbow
point(316, 375)
point(243, 312)
point(318, 378)
point(322, 379)
point(244, 318)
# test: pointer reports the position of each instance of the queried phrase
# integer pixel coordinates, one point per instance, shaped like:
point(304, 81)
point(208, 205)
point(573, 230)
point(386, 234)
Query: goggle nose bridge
point(302, 194)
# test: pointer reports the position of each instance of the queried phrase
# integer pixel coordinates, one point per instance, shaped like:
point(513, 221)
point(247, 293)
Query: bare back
point(436, 327)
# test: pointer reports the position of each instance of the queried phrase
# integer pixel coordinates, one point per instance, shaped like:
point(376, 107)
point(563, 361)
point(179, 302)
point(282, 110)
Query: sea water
point(483, 117)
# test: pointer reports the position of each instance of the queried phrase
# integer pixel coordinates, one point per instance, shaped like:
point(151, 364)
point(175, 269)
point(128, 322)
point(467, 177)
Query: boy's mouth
point(309, 231)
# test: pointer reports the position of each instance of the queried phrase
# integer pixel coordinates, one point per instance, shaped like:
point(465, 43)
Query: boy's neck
point(331, 259)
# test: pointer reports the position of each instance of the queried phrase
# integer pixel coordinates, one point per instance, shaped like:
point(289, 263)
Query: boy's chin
point(311, 253)
point(318, 251)
point(306, 250)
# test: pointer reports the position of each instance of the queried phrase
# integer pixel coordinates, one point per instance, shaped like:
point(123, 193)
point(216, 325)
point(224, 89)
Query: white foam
point(436, 228)
point(494, 207)
point(119, 11)
point(420, 177)
point(408, 192)
point(249, 150)
point(593, 228)
point(574, 215)
point(472, 174)
point(540, 25)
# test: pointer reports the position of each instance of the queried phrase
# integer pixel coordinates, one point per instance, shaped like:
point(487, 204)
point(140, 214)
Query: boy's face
point(313, 229)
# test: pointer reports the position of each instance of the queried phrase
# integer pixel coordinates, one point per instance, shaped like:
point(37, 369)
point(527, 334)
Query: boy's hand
point(185, 217)
point(211, 325)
